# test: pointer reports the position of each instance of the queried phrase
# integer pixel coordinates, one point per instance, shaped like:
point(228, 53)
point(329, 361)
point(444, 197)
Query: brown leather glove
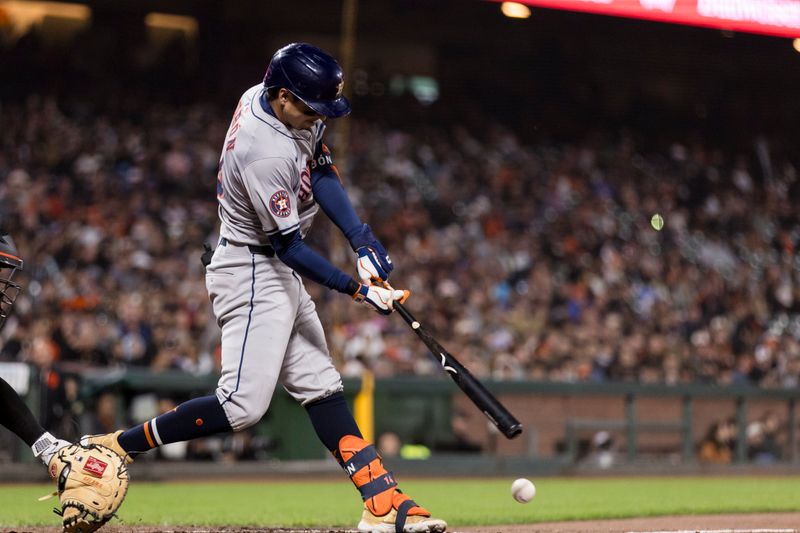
point(92, 481)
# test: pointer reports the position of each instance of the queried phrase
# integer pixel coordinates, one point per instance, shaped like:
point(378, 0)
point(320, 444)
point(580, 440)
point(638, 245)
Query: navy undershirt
point(293, 251)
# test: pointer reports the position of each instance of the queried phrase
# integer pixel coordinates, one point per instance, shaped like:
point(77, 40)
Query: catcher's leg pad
point(91, 482)
point(377, 486)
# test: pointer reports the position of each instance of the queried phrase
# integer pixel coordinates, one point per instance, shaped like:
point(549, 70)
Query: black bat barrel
point(474, 389)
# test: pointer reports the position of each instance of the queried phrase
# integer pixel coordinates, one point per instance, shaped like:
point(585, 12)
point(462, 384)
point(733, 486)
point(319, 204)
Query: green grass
point(460, 501)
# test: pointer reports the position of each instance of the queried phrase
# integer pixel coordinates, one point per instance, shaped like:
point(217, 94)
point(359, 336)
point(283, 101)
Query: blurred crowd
point(762, 441)
point(540, 262)
point(532, 262)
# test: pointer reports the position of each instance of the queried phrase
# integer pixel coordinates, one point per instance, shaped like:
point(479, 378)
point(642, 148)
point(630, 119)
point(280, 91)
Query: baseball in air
point(523, 490)
point(657, 221)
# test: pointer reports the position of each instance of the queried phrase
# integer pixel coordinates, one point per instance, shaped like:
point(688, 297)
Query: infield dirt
point(762, 523)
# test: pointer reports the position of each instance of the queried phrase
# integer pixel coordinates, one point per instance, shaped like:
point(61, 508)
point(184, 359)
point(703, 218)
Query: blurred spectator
point(58, 390)
point(104, 417)
point(602, 452)
point(389, 444)
point(462, 438)
point(718, 443)
point(762, 439)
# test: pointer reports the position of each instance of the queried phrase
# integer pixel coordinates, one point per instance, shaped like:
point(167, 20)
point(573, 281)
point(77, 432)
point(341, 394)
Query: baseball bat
point(474, 389)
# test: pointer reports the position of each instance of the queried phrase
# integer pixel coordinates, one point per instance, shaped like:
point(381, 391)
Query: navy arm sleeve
point(294, 252)
point(332, 198)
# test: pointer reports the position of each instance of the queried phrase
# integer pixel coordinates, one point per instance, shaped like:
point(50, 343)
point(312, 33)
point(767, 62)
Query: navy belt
point(254, 249)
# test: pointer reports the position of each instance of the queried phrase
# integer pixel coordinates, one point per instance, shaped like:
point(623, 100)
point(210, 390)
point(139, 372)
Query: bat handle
point(406, 314)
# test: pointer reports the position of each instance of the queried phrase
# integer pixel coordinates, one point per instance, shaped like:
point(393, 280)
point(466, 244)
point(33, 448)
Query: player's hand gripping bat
point(474, 389)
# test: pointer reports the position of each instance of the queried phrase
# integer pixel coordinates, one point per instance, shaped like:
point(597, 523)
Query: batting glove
point(380, 298)
point(373, 265)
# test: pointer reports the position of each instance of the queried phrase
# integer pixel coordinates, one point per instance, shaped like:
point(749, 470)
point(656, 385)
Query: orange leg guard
point(377, 486)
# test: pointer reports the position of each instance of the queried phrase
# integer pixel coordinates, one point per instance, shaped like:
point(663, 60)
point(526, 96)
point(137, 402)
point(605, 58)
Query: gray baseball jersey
point(264, 182)
point(270, 329)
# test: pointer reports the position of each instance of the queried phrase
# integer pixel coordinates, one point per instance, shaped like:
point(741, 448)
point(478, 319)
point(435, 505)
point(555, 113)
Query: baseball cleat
point(109, 440)
point(386, 523)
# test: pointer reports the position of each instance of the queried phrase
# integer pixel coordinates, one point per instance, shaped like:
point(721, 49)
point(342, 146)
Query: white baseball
point(523, 490)
point(415, 325)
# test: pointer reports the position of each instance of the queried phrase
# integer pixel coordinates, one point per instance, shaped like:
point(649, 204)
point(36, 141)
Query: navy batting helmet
point(312, 76)
point(10, 262)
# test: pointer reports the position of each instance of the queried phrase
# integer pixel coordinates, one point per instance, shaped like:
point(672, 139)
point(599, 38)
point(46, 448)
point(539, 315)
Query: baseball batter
point(275, 174)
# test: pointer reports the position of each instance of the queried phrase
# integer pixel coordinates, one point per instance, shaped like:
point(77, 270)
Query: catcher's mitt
point(92, 481)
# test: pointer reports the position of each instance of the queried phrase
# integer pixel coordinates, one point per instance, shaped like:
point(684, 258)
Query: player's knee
point(250, 419)
point(242, 411)
point(242, 416)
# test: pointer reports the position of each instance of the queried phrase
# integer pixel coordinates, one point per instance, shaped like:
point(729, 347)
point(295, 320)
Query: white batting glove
point(370, 267)
point(380, 298)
